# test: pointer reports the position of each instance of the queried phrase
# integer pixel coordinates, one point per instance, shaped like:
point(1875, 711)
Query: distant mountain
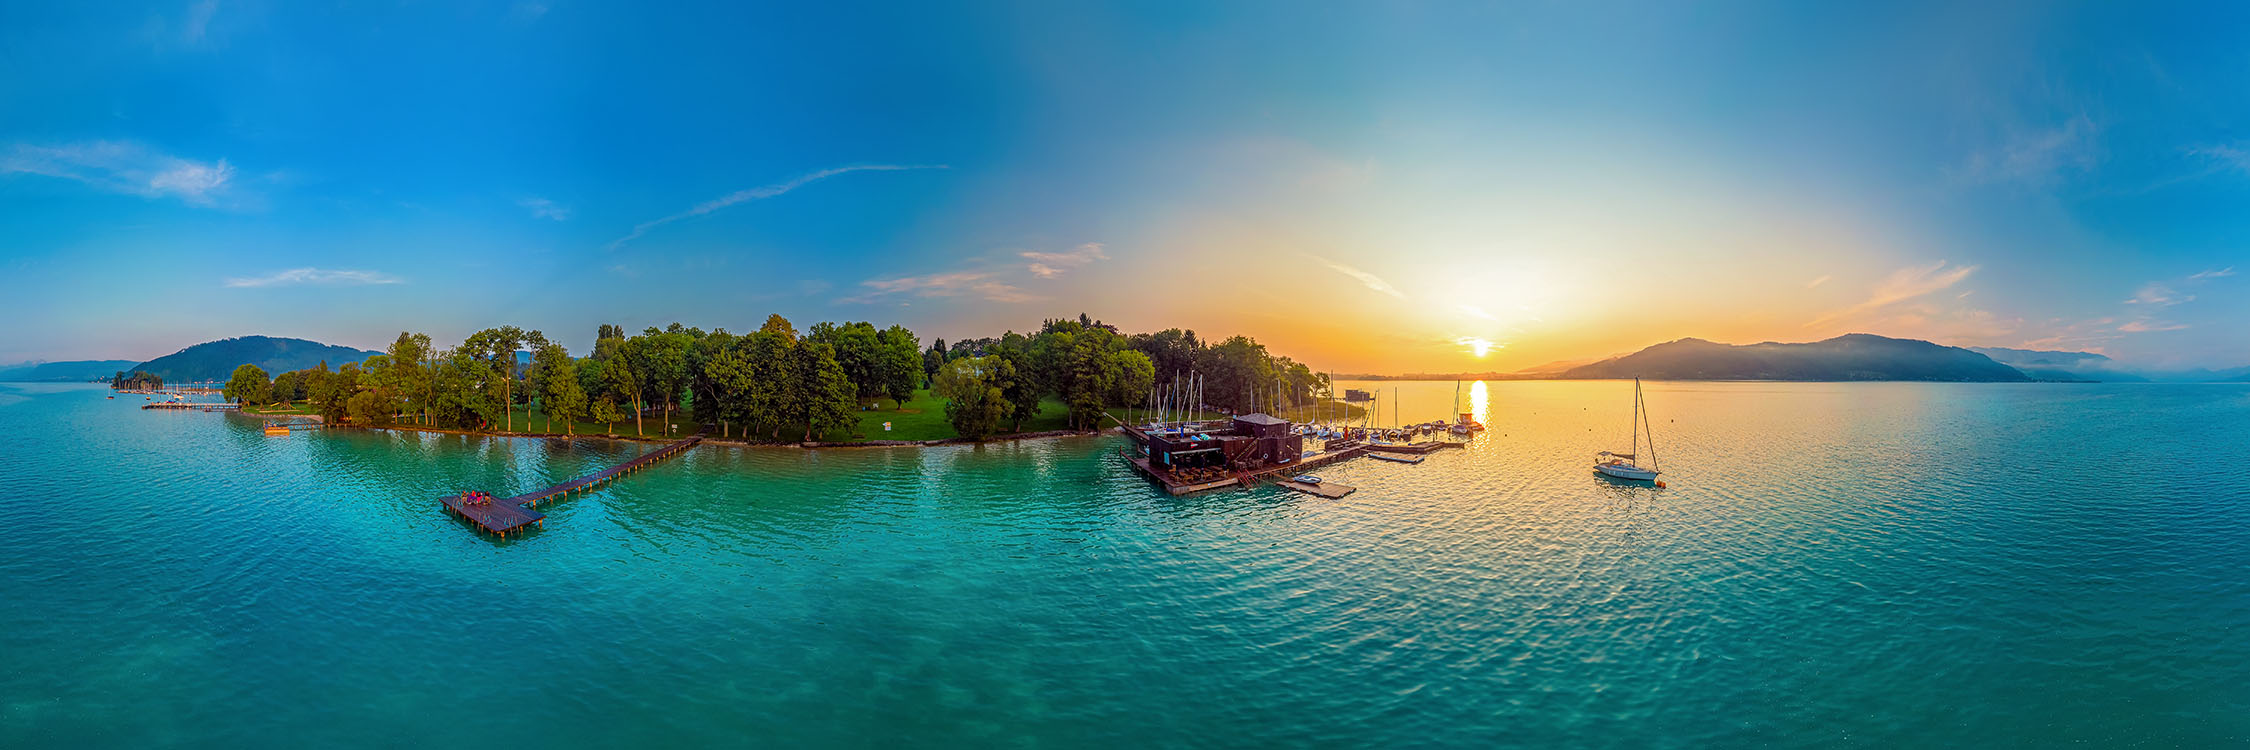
point(216, 360)
point(64, 372)
point(2044, 365)
point(1857, 356)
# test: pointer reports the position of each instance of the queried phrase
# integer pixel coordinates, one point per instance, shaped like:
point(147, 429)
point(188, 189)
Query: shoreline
point(707, 439)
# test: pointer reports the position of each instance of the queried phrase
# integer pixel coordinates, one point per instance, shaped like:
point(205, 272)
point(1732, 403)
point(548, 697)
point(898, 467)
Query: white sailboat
point(1626, 465)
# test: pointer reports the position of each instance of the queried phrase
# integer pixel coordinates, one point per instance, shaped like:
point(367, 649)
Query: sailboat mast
point(1636, 445)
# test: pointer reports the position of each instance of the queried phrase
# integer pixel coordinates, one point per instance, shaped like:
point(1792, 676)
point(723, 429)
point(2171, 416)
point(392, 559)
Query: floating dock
point(1421, 448)
point(192, 407)
point(497, 516)
point(1330, 490)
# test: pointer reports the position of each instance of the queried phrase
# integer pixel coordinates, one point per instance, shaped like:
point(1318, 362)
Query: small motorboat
point(1396, 458)
point(1305, 479)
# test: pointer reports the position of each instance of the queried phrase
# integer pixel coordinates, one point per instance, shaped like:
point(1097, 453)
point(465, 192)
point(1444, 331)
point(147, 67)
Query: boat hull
point(1627, 471)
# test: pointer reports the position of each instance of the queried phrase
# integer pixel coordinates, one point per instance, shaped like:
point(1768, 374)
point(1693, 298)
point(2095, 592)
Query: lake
point(1886, 564)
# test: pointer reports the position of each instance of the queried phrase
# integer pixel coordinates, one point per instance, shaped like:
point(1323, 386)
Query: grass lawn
point(299, 408)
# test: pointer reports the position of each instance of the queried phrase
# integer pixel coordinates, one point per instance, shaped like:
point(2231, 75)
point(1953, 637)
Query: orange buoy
point(1660, 485)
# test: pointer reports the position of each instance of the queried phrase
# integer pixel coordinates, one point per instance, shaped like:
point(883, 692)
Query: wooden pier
point(498, 516)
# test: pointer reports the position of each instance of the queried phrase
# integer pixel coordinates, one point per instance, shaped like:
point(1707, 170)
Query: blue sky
point(1555, 180)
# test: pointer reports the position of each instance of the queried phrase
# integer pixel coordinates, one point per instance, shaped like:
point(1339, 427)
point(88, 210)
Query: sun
point(1477, 347)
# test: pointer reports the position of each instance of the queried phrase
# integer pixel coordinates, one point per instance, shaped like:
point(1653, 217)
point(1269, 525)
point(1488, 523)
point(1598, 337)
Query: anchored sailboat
point(1625, 465)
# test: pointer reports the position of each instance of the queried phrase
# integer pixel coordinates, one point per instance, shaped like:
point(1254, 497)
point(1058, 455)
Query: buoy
point(1660, 485)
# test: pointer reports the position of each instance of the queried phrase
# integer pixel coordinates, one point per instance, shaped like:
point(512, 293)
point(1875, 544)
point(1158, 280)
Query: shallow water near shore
point(1884, 563)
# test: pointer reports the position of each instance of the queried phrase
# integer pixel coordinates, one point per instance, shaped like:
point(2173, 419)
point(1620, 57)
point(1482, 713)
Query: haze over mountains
point(1857, 356)
point(1851, 357)
point(208, 361)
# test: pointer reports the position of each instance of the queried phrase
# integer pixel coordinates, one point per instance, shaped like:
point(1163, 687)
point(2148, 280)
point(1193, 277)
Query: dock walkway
point(498, 516)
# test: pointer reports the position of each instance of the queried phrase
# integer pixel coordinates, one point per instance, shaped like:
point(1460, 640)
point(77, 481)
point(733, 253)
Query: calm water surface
point(1832, 564)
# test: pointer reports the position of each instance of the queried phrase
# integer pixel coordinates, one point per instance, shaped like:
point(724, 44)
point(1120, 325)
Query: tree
point(825, 397)
point(898, 364)
point(409, 371)
point(733, 381)
point(605, 412)
point(660, 358)
point(932, 360)
point(332, 391)
point(247, 386)
point(370, 408)
point(564, 400)
point(556, 375)
point(1133, 375)
point(624, 377)
point(288, 386)
point(498, 346)
point(974, 401)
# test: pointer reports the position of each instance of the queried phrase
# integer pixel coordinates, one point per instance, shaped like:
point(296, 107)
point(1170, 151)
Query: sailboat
point(1625, 465)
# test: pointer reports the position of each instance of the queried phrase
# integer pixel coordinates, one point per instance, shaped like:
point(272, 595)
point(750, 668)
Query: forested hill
point(64, 372)
point(1857, 356)
point(216, 360)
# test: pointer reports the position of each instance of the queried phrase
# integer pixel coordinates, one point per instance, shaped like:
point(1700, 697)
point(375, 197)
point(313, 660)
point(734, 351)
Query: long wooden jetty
point(497, 516)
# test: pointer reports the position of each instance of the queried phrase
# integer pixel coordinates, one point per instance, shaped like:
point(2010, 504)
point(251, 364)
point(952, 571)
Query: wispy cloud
point(2147, 326)
point(2157, 295)
point(1051, 265)
point(1818, 281)
point(545, 209)
point(128, 168)
point(198, 21)
point(2036, 156)
point(1371, 281)
point(761, 193)
point(321, 276)
point(980, 284)
point(1903, 284)
point(1476, 311)
point(2212, 274)
point(527, 11)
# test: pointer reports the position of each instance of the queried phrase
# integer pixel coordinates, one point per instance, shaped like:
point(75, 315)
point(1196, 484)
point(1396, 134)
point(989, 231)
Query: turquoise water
point(1832, 564)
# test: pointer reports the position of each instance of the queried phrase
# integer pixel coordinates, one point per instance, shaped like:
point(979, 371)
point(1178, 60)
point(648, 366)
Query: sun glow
point(1476, 346)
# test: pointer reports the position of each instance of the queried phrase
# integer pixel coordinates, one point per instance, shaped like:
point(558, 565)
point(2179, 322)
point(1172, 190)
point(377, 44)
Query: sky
point(1387, 187)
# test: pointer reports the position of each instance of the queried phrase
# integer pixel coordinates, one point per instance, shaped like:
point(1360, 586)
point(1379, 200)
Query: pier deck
point(1330, 490)
point(504, 516)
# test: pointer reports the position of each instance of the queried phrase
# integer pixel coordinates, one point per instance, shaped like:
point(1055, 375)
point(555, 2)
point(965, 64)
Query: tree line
point(139, 380)
point(1090, 365)
point(775, 381)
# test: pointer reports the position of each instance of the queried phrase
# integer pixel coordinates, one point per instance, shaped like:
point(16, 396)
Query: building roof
point(1260, 418)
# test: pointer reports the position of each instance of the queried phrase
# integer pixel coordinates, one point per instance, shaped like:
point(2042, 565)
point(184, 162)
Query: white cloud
point(322, 276)
point(1904, 284)
point(2034, 157)
point(1476, 311)
point(545, 209)
point(2158, 295)
point(761, 193)
point(198, 22)
point(1818, 281)
point(2213, 274)
point(129, 168)
point(1051, 265)
point(981, 284)
point(1371, 281)
point(2146, 326)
